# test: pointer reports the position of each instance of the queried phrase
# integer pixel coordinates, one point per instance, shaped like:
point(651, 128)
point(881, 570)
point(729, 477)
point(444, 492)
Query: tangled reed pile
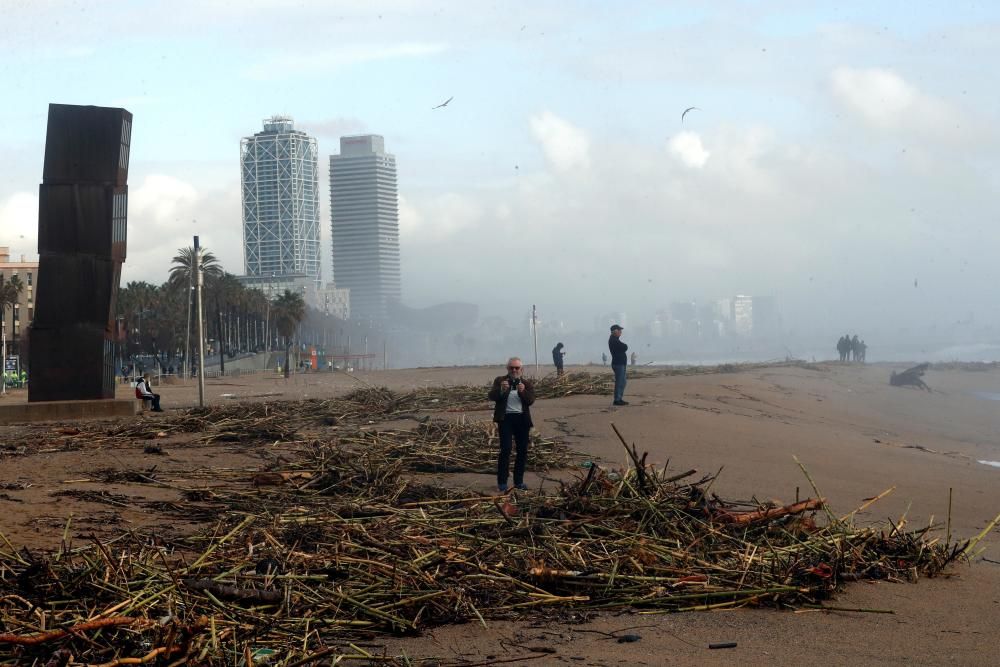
point(283, 420)
point(438, 446)
point(351, 547)
point(341, 540)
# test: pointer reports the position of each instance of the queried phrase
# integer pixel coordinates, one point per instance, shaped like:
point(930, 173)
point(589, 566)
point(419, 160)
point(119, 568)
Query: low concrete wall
point(66, 410)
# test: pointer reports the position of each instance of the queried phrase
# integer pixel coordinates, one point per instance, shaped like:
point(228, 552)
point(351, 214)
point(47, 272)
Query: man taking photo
point(513, 396)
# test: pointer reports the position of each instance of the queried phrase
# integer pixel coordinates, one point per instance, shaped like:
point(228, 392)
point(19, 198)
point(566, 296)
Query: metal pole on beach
point(201, 325)
point(187, 331)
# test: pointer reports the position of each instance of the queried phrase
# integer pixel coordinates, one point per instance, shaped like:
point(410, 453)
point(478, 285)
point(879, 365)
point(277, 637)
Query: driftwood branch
point(910, 377)
point(744, 518)
point(42, 637)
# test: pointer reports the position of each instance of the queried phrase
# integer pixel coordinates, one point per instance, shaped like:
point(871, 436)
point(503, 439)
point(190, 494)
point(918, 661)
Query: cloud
point(19, 222)
point(687, 148)
point(438, 218)
point(165, 212)
point(886, 101)
point(566, 146)
point(332, 128)
point(297, 64)
point(160, 200)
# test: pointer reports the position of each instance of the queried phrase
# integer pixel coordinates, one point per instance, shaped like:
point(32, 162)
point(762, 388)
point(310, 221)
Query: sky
point(843, 157)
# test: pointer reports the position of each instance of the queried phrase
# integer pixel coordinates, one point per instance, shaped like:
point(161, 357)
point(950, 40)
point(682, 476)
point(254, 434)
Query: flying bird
point(443, 104)
point(686, 112)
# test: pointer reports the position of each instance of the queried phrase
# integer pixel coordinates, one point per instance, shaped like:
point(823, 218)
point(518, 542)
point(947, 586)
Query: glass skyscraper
point(280, 203)
point(364, 222)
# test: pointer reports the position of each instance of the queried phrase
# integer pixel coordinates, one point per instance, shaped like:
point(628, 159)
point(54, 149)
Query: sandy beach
point(855, 434)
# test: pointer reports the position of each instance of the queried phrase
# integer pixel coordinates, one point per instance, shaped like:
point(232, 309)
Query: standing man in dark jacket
point(557, 358)
point(513, 396)
point(619, 362)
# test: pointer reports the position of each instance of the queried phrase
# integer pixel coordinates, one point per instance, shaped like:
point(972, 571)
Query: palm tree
point(257, 307)
point(288, 310)
point(182, 273)
point(183, 266)
point(225, 289)
point(10, 292)
point(138, 301)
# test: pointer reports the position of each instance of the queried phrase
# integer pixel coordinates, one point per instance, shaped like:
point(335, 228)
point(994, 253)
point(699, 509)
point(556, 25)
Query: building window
point(17, 313)
point(29, 278)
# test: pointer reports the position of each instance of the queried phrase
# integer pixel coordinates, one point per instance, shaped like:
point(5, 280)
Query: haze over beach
point(840, 159)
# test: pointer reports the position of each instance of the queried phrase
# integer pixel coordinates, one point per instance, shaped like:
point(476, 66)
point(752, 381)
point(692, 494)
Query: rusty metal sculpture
point(82, 207)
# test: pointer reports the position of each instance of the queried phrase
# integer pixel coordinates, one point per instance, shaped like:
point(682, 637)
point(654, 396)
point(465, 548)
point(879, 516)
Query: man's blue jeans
point(619, 381)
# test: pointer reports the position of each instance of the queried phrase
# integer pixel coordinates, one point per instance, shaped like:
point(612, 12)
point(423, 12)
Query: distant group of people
point(633, 358)
point(851, 349)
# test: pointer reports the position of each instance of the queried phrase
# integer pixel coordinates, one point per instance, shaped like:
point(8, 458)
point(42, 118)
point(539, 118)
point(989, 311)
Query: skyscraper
point(364, 222)
point(280, 205)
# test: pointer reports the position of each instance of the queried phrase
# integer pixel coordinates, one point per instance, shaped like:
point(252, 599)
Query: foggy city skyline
point(841, 160)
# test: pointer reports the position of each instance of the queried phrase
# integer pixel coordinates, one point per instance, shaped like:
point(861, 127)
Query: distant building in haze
point(742, 314)
point(364, 223)
point(280, 183)
point(335, 301)
point(754, 315)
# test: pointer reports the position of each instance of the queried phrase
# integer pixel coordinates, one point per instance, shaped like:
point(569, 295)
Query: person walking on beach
point(557, 358)
point(619, 363)
point(512, 396)
point(604, 358)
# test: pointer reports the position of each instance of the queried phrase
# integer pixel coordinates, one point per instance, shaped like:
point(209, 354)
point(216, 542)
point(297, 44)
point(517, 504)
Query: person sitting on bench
point(143, 391)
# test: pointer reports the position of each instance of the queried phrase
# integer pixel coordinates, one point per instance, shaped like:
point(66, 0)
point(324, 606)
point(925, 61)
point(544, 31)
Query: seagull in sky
point(443, 104)
point(686, 112)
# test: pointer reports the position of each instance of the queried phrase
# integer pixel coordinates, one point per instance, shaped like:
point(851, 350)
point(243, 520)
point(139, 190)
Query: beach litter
point(344, 539)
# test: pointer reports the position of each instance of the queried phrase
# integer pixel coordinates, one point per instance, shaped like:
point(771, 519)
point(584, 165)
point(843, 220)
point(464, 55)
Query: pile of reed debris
point(344, 540)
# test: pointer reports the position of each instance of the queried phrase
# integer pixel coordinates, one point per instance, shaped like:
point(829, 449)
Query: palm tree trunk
point(288, 352)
